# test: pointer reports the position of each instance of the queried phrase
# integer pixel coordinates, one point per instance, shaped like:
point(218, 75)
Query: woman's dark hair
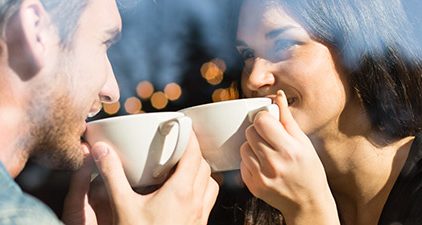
point(378, 49)
point(381, 55)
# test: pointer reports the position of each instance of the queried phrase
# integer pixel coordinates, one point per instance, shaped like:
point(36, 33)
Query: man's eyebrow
point(114, 35)
point(274, 33)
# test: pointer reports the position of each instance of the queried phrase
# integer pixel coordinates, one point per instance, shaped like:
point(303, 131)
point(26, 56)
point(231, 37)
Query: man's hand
point(186, 198)
point(76, 209)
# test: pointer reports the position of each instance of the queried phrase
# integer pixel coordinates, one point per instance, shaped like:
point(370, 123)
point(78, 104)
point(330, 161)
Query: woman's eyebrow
point(275, 32)
point(241, 43)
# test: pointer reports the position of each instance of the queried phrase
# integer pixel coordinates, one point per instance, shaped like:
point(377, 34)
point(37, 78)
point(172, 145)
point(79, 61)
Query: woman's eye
point(247, 53)
point(282, 45)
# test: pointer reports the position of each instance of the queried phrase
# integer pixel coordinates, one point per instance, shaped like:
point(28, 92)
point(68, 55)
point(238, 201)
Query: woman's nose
point(258, 74)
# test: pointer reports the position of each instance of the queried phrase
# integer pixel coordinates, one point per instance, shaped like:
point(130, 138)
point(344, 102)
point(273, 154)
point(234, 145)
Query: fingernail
point(280, 92)
point(99, 151)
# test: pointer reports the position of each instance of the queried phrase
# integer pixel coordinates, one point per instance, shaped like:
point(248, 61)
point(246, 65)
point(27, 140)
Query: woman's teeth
point(290, 101)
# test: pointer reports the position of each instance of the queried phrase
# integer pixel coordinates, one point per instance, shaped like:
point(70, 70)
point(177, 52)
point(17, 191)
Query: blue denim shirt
point(19, 208)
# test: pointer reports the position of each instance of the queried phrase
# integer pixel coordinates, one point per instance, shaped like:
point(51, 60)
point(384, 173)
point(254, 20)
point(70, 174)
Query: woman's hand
point(280, 166)
point(186, 198)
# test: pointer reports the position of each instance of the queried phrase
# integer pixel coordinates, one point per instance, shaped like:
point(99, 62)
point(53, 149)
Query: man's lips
point(94, 113)
point(83, 127)
point(95, 108)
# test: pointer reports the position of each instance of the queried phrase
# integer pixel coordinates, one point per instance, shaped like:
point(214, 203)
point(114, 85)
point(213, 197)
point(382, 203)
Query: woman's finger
point(249, 159)
point(261, 148)
point(286, 117)
point(271, 132)
point(246, 174)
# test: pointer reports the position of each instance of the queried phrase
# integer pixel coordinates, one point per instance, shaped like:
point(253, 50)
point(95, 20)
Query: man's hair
point(64, 15)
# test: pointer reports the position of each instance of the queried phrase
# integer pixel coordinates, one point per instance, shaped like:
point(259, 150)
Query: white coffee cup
point(148, 145)
point(220, 128)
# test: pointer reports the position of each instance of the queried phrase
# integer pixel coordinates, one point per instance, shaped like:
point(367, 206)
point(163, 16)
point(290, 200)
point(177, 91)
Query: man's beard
point(55, 131)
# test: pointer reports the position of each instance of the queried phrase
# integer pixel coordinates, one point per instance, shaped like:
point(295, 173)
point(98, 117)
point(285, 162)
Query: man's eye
point(109, 43)
point(247, 53)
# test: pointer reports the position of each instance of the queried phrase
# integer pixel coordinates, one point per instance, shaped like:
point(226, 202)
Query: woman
point(346, 149)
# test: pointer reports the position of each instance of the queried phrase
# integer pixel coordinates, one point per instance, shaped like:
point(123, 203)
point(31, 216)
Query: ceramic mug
point(148, 145)
point(220, 128)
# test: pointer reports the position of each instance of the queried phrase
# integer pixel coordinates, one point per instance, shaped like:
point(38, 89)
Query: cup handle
point(184, 124)
point(272, 109)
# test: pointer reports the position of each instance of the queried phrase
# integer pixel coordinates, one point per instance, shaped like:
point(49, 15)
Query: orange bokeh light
point(145, 89)
point(173, 91)
point(220, 64)
point(212, 72)
point(133, 105)
point(159, 100)
point(217, 95)
point(223, 94)
point(112, 108)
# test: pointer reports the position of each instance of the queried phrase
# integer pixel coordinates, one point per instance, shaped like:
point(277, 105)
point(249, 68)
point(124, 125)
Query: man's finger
point(188, 166)
point(79, 182)
point(203, 176)
point(111, 170)
point(210, 197)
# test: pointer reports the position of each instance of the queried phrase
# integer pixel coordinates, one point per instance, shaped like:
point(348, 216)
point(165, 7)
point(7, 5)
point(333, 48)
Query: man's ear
point(25, 35)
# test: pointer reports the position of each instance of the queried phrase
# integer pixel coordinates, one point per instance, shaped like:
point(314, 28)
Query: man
point(54, 73)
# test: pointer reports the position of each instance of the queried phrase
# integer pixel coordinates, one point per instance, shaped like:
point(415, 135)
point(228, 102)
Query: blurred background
point(172, 54)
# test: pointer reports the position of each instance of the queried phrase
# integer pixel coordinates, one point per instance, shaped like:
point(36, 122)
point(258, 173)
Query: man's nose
point(260, 74)
point(110, 91)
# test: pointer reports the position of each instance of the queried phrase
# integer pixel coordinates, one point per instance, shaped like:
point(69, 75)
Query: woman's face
point(280, 54)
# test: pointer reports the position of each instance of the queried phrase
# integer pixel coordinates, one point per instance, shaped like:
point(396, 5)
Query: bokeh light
point(218, 95)
point(133, 105)
point(173, 91)
point(159, 100)
point(220, 64)
point(213, 71)
point(112, 108)
point(145, 89)
point(233, 91)
point(224, 94)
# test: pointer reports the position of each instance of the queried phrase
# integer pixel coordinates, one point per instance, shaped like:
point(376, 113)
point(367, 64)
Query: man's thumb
point(111, 170)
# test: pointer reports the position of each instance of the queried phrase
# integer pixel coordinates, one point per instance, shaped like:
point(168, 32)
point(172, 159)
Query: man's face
point(76, 81)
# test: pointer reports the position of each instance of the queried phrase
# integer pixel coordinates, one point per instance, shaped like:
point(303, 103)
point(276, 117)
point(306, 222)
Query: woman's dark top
point(404, 204)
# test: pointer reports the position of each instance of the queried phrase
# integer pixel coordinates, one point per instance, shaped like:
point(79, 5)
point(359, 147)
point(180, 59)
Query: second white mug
point(220, 128)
